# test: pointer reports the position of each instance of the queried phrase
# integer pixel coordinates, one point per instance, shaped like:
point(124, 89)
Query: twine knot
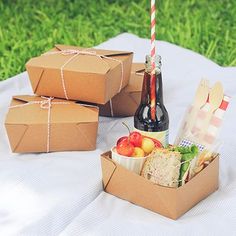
point(47, 103)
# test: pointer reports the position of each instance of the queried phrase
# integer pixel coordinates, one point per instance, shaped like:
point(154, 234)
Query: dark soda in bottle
point(144, 123)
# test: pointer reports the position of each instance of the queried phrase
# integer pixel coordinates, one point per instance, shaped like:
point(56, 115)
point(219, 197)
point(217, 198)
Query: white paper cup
point(134, 164)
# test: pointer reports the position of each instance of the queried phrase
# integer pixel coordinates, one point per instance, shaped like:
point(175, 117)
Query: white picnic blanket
point(61, 193)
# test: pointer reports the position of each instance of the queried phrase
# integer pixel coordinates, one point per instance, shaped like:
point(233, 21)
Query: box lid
point(136, 78)
point(83, 63)
point(28, 111)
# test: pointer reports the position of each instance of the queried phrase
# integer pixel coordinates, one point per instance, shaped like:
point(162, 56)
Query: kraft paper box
point(127, 101)
point(38, 124)
point(169, 202)
point(89, 75)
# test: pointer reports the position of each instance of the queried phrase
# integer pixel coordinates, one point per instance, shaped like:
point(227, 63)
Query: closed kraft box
point(127, 101)
point(38, 124)
point(89, 75)
point(169, 202)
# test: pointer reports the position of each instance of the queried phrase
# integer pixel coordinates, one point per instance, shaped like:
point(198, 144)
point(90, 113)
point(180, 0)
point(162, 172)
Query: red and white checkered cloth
point(211, 134)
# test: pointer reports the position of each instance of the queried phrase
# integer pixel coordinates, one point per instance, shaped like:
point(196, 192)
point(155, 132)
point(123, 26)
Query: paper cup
point(134, 164)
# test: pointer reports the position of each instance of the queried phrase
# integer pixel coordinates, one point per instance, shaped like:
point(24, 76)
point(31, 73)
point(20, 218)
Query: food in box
point(167, 201)
point(173, 178)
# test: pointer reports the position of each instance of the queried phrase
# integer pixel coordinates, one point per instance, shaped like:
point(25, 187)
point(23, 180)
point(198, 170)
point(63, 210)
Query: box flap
point(135, 97)
point(102, 52)
point(129, 186)
point(202, 174)
point(138, 68)
point(16, 134)
point(170, 202)
point(199, 187)
point(26, 98)
point(74, 113)
point(88, 133)
point(81, 63)
point(35, 73)
point(135, 84)
point(21, 99)
point(62, 111)
point(108, 168)
point(136, 79)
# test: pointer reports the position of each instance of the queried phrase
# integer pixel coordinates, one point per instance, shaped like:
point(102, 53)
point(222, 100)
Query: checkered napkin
point(188, 143)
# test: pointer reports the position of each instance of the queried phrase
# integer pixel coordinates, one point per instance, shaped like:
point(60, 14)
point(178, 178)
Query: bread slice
point(162, 167)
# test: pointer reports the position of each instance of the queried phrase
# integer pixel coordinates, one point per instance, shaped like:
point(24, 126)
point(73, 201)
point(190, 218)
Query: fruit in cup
point(124, 147)
point(136, 145)
point(147, 145)
point(121, 140)
point(136, 139)
point(138, 152)
point(157, 143)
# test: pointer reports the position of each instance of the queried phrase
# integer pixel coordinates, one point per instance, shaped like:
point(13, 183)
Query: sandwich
point(169, 167)
point(162, 167)
point(188, 155)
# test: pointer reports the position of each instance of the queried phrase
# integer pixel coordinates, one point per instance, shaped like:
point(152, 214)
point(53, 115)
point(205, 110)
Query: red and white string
point(153, 56)
point(74, 54)
point(153, 34)
point(47, 103)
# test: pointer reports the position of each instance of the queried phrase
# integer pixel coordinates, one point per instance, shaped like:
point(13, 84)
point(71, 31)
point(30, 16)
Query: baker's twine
point(75, 53)
point(47, 104)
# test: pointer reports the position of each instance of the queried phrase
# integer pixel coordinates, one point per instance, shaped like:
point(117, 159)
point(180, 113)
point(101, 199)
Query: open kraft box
point(169, 202)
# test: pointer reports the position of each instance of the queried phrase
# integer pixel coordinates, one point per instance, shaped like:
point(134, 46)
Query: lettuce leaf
point(187, 155)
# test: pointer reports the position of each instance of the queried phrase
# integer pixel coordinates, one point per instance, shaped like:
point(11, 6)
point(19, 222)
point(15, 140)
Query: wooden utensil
point(199, 101)
point(215, 98)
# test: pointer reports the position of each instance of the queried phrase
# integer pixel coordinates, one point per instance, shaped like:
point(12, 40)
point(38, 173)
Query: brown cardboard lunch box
point(75, 73)
point(169, 202)
point(127, 101)
point(35, 125)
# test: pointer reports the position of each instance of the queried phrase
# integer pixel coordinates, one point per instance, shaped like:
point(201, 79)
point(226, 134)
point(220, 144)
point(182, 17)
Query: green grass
point(29, 27)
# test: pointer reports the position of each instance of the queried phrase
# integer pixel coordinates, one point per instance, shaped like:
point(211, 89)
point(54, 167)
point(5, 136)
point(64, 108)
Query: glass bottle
point(156, 128)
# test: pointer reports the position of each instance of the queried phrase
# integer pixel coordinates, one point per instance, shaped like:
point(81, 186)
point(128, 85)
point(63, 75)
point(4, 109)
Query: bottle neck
point(146, 90)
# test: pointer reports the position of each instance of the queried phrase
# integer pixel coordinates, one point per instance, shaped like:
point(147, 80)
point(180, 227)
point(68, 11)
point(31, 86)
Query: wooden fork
point(199, 101)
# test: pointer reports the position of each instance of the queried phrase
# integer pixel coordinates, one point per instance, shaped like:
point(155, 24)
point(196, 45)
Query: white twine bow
point(44, 104)
point(75, 53)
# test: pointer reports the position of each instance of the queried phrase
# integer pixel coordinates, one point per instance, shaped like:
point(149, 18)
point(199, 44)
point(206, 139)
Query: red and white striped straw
point(153, 56)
